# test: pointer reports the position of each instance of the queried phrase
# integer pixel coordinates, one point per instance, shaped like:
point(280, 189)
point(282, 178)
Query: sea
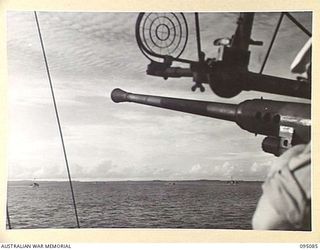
point(199, 204)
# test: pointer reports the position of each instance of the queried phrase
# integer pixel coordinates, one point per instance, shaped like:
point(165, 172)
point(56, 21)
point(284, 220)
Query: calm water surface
point(139, 204)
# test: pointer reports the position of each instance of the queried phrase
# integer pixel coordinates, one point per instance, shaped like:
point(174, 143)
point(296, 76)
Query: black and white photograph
point(159, 120)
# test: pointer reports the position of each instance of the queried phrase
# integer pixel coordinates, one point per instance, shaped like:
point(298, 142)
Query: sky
point(90, 54)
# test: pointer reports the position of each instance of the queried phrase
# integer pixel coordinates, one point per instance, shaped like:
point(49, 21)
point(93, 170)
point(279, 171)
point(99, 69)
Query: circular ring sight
point(161, 34)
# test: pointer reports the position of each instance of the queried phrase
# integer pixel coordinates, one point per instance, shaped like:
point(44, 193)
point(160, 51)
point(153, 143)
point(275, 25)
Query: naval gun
point(285, 124)
point(162, 38)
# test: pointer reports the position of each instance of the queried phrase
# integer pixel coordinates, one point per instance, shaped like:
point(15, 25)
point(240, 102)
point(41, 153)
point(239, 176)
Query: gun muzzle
point(118, 95)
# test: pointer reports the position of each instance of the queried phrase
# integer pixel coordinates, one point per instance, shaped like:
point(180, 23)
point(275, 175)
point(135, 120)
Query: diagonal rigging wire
point(58, 119)
point(272, 41)
point(299, 25)
point(8, 215)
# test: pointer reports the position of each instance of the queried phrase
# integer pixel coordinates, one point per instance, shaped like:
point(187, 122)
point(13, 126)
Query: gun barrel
point(285, 123)
point(217, 110)
point(256, 116)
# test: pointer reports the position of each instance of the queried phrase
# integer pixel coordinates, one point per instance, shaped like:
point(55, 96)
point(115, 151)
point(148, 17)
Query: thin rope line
point(58, 119)
point(271, 43)
point(299, 25)
point(8, 216)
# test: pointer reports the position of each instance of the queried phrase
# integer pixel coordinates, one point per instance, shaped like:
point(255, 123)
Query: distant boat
point(233, 182)
point(170, 183)
point(35, 185)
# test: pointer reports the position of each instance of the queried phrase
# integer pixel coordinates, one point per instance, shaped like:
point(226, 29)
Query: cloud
point(195, 169)
point(229, 170)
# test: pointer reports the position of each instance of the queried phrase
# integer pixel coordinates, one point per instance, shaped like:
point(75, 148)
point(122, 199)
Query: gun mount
point(162, 38)
point(284, 123)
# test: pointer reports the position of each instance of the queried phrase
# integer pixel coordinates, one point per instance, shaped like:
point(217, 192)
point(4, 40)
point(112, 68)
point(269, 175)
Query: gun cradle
point(284, 123)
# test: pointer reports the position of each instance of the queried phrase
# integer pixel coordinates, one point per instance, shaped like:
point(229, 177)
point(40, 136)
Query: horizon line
point(124, 180)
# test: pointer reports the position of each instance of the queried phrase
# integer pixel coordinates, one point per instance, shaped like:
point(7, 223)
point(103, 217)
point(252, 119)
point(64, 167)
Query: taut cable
point(272, 41)
point(8, 215)
point(58, 119)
